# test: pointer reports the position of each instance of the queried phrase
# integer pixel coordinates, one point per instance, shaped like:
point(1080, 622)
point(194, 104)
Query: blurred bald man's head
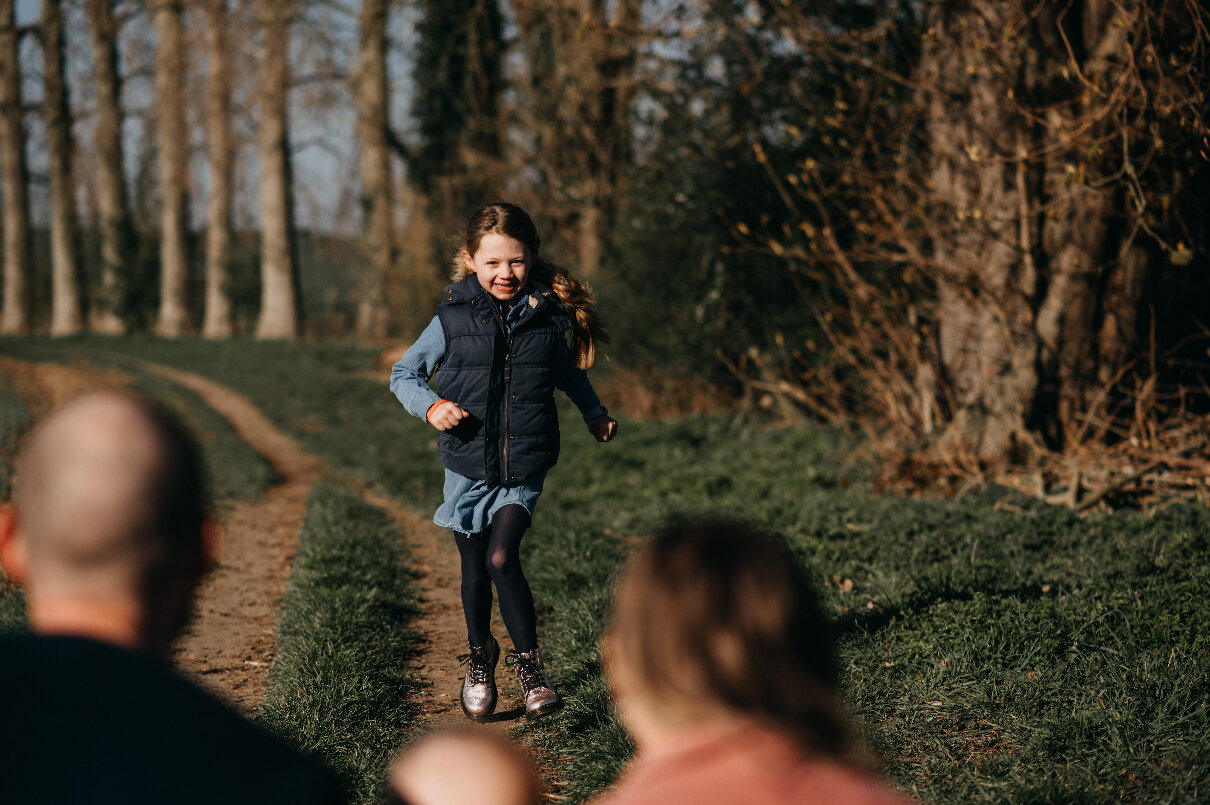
point(464, 766)
point(110, 503)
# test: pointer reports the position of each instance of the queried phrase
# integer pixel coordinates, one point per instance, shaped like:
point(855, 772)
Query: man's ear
point(13, 556)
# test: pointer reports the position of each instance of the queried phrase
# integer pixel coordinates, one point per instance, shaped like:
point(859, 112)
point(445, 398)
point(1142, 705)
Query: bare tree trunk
point(613, 56)
point(985, 245)
point(375, 164)
point(1118, 337)
point(112, 211)
point(1035, 305)
point(1091, 272)
point(218, 316)
point(581, 61)
point(173, 164)
point(279, 316)
point(15, 317)
point(67, 314)
point(457, 162)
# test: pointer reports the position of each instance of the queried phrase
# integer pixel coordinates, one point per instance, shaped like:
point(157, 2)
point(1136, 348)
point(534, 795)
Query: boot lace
point(529, 669)
point(476, 659)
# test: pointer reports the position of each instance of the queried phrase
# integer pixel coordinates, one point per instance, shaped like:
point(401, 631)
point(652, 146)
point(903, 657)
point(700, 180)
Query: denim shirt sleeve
point(410, 374)
point(575, 384)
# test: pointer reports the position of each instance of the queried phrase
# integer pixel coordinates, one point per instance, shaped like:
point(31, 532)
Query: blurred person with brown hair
point(512, 328)
point(108, 534)
point(720, 662)
point(464, 766)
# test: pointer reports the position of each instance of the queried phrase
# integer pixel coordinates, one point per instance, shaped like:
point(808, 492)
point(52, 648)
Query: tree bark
point(1037, 294)
point(457, 163)
point(218, 316)
point(1095, 280)
point(984, 242)
point(67, 313)
point(173, 147)
point(375, 165)
point(613, 57)
point(15, 317)
point(279, 317)
point(113, 213)
point(581, 63)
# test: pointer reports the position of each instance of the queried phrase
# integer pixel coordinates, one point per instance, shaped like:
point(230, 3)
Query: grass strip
point(14, 419)
point(340, 688)
point(235, 471)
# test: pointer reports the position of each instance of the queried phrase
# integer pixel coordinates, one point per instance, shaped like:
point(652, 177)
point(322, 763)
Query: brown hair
point(714, 614)
point(509, 220)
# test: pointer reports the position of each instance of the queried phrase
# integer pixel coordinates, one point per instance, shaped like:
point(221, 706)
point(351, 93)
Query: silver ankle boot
point(479, 685)
point(541, 698)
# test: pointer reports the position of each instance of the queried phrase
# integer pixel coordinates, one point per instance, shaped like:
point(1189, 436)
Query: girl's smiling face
point(502, 265)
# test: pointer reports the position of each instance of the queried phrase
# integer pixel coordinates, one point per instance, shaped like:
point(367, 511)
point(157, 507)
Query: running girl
point(512, 329)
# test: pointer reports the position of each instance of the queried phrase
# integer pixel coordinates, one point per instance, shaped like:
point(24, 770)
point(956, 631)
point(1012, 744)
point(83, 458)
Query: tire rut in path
point(254, 565)
point(443, 636)
point(229, 644)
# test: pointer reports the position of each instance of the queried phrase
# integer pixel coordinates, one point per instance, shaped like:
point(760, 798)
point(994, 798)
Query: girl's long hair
point(714, 614)
point(509, 220)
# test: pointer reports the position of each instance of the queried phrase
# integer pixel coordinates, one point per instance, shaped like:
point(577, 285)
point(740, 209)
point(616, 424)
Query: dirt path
point(228, 647)
point(46, 385)
point(444, 629)
point(252, 566)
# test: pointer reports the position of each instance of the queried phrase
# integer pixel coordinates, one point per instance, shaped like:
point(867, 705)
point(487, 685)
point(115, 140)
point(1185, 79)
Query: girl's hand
point(446, 415)
point(603, 427)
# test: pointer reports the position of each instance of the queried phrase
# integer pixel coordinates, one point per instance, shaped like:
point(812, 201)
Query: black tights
point(492, 555)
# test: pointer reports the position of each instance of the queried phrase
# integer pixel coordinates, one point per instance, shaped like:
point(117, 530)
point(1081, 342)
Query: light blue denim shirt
point(470, 504)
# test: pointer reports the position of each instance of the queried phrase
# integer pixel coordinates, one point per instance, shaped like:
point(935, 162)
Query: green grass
point(317, 392)
point(14, 419)
point(339, 688)
point(995, 650)
point(235, 471)
point(993, 655)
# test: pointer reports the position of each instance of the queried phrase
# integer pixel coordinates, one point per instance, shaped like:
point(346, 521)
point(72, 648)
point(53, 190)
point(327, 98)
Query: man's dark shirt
point(84, 721)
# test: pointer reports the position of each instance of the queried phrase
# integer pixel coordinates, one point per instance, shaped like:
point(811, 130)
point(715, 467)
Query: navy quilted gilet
point(505, 382)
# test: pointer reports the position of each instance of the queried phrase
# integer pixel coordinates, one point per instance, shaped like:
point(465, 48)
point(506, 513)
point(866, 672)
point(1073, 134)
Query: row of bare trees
point(14, 317)
point(551, 130)
point(973, 222)
point(107, 304)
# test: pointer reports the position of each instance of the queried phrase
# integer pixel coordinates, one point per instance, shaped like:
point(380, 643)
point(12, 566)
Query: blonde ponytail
point(588, 325)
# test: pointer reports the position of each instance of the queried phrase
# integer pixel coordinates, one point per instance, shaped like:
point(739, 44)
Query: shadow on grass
point(870, 621)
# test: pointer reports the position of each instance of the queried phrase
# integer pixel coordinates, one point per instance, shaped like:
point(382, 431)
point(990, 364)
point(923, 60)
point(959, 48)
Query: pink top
point(749, 765)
